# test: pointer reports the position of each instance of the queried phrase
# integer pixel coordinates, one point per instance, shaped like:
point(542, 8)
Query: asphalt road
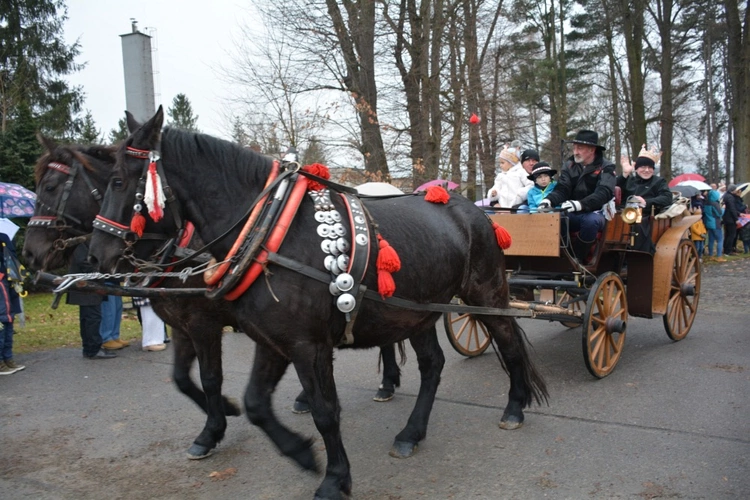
point(672, 421)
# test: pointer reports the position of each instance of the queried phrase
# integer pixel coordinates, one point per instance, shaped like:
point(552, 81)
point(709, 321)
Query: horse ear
point(155, 123)
point(46, 142)
point(133, 124)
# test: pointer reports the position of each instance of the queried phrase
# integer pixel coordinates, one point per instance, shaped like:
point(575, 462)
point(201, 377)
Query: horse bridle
point(124, 232)
point(61, 221)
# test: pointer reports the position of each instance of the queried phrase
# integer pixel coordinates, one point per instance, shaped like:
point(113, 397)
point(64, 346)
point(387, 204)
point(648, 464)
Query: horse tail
point(532, 378)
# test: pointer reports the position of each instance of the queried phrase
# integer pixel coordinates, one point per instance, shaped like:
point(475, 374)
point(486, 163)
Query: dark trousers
point(90, 318)
point(730, 237)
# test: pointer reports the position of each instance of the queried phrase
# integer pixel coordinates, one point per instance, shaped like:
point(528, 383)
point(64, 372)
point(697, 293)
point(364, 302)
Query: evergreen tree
point(239, 135)
point(89, 133)
point(120, 133)
point(181, 114)
point(33, 61)
point(314, 153)
point(19, 149)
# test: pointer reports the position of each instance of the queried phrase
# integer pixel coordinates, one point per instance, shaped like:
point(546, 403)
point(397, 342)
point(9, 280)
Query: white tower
point(139, 74)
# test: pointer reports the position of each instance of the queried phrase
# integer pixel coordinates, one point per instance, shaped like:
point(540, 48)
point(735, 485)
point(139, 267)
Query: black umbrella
point(686, 191)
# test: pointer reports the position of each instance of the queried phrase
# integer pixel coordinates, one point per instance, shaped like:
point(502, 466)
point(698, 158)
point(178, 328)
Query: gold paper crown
point(653, 154)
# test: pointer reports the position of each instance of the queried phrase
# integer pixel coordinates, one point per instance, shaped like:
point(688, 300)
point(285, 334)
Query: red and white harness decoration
point(154, 196)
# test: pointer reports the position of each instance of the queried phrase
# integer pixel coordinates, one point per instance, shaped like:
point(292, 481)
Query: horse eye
point(117, 183)
point(49, 188)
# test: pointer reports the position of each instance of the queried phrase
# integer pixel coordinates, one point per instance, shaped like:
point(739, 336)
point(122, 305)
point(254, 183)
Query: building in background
point(140, 98)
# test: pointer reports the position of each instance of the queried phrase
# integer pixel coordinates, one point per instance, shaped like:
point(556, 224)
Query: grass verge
point(48, 328)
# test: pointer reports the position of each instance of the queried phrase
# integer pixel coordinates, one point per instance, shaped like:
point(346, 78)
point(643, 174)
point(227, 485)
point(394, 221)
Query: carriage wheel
point(576, 306)
point(604, 325)
point(684, 293)
point(468, 336)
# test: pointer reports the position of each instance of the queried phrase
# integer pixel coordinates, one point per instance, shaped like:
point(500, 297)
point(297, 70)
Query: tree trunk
point(632, 13)
point(739, 76)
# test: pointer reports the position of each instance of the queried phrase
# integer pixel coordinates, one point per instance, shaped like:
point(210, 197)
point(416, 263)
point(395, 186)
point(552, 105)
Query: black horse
point(446, 250)
point(70, 181)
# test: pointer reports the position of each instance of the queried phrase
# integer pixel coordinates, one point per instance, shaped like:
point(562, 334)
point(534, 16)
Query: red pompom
point(388, 259)
point(437, 194)
point(474, 119)
point(319, 170)
point(138, 224)
point(502, 235)
point(386, 285)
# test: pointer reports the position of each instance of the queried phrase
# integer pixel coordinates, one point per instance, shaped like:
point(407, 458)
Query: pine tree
point(120, 133)
point(33, 61)
point(181, 114)
point(314, 153)
point(89, 133)
point(239, 135)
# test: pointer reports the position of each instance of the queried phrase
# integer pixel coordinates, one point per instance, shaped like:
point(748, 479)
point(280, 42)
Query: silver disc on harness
point(320, 216)
point(343, 262)
point(346, 302)
point(333, 248)
point(137, 207)
point(329, 262)
point(336, 216)
point(139, 196)
point(359, 219)
point(342, 245)
point(344, 282)
point(334, 288)
point(325, 245)
point(335, 269)
point(361, 239)
point(324, 230)
point(329, 217)
point(338, 229)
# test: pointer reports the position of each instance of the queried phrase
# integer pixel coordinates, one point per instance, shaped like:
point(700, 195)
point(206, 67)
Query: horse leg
point(268, 368)
point(431, 360)
point(526, 383)
point(391, 374)
point(314, 365)
point(391, 380)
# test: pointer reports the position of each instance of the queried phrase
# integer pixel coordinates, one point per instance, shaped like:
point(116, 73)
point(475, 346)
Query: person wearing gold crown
point(511, 183)
point(586, 184)
point(645, 188)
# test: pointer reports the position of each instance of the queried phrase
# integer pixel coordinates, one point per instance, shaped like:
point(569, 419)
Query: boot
point(581, 250)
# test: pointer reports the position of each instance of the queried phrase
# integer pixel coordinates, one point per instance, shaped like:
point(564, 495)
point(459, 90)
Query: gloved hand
point(544, 206)
point(571, 206)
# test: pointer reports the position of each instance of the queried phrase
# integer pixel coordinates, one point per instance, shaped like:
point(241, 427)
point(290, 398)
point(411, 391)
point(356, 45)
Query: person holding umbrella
point(10, 305)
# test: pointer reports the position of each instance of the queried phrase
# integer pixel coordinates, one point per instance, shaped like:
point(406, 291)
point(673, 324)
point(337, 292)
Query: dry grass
point(48, 328)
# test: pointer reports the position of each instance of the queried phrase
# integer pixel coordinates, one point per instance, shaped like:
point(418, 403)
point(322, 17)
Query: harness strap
point(318, 275)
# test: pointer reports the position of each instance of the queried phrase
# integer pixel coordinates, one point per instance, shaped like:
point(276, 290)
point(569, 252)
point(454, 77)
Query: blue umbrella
point(16, 201)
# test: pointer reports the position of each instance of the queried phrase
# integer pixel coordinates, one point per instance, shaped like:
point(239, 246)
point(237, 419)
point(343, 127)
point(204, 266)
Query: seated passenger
point(586, 183)
point(646, 189)
point(511, 183)
point(543, 184)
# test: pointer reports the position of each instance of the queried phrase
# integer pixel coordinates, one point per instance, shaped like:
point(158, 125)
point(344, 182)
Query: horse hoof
point(300, 407)
point(384, 395)
point(510, 424)
point(402, 449)
point(199, 452)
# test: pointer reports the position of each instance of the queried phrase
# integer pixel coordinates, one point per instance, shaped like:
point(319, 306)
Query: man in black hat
point(529, 158)
point(586, 183)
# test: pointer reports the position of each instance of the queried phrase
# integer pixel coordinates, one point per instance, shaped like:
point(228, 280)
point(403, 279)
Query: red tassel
point(437, 194)
point(388, 259)
point(154, 195)
point(386, 285)
point(319, 170)
point(138, 224)
point(474, 119)
point(503, 236)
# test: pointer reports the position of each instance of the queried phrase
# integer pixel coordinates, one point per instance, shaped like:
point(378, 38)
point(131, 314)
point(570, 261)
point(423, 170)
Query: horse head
point(128, 223)
point(70, 182)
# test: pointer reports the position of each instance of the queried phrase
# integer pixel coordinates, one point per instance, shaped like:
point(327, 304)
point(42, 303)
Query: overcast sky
point(193, 38)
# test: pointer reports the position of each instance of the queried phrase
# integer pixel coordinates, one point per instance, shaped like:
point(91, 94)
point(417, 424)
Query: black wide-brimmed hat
point(541, 168)
point(588, 138)
point(530, 154)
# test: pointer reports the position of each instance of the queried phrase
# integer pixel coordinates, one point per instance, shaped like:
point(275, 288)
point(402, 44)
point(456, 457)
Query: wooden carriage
point(545, 278)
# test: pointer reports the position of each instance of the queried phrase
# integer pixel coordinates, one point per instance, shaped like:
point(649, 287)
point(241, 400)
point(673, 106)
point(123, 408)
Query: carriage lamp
point(633, 213)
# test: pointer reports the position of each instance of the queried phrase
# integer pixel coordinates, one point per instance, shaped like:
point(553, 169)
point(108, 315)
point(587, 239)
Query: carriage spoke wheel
point(604, 325)
point(468, 336)
point(684, 292)
point(575, 306)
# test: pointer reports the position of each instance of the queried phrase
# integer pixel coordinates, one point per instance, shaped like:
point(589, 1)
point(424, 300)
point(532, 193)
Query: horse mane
point(67, 153)
point(188, 146)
